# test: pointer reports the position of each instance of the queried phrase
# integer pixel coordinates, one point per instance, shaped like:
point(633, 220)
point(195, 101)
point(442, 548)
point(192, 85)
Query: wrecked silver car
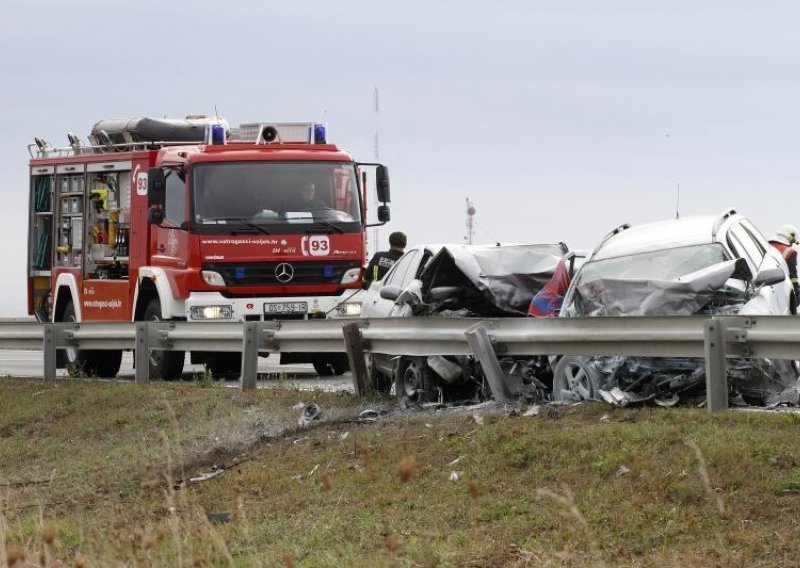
point(467, 281)
point(717, 265)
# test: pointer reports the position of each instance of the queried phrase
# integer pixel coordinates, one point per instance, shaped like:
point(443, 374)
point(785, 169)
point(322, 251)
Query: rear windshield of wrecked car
point(665, 264)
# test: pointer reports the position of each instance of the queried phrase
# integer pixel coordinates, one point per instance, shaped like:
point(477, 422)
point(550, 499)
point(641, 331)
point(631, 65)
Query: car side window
point(757, 237)
point(745, 244)
point(397, 277)
point(426, 256)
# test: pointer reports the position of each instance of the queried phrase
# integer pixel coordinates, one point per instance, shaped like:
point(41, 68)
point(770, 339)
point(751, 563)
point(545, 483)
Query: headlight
point(351, 276)
point(349, 310)
point(213, 278)
point(211, 312)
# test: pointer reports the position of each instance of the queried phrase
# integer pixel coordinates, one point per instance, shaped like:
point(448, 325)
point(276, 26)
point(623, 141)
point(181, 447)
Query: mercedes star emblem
point(284, 272)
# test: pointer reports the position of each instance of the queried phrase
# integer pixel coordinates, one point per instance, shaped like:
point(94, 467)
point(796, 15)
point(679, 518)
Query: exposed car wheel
point(414, 383)
point(225, 365)
point(332, 364)
point(167, 365)
point(90, 362)
point(574, 378)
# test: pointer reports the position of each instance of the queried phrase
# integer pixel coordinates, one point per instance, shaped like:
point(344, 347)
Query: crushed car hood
point(687, 295)
point(488, 280)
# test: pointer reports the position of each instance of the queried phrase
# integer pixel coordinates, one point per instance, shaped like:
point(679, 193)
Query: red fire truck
point(188, 219)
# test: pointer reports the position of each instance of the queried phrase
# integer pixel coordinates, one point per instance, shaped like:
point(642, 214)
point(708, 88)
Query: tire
point(90, 362)
point(330, 365)
point(167, 365)
point(414, 383)
point(225, 365)
point(574, 378)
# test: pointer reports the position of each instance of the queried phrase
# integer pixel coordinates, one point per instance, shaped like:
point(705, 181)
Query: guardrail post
point(481, 346)
point(355, 354)
point(142, 352)
point(250, 344)
point(716, 366)
point(49, 348)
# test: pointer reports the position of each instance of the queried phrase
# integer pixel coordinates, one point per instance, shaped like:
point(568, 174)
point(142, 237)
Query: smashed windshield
point(656, 265)
point(275, 196)
point(679, 281)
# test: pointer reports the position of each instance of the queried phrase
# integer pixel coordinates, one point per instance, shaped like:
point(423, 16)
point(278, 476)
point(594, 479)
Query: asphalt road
point(271, 373)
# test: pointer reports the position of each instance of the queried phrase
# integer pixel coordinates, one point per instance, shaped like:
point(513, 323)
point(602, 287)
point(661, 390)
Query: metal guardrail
point(713, 338)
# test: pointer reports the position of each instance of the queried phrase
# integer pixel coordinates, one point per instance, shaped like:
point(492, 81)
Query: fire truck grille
point(282, 273)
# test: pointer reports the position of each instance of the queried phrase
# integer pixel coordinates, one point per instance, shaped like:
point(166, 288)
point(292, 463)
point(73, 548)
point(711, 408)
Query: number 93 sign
point(140, 180)
point(315, 245)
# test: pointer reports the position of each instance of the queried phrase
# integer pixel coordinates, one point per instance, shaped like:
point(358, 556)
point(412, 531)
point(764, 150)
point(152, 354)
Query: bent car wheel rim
point(411, 382)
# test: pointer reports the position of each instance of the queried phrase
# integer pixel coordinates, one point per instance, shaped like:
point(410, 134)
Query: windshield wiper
point(258, 229)
point(327, 225)
point(233, 221)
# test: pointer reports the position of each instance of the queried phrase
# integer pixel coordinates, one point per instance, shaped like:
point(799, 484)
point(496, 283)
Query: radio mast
point(470, 222)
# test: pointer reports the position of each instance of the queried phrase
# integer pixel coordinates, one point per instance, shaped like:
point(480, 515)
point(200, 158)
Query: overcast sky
point(560, 120)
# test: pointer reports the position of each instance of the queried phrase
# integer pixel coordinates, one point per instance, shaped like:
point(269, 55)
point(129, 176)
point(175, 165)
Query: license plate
point(286, 308)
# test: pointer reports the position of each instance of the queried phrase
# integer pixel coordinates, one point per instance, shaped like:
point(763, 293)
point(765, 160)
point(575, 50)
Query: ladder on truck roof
point(101, 142)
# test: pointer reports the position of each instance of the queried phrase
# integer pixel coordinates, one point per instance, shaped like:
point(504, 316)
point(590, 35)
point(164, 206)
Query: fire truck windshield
point(277, 197)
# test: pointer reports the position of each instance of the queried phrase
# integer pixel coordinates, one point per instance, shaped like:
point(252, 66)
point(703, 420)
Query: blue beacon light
point(217, 134)
point(319, 134)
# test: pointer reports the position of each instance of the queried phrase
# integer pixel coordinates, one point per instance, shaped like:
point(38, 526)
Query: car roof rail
point(616, 231)
point(726, 214)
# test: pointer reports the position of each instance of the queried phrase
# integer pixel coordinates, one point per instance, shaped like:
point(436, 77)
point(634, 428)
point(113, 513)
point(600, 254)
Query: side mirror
point(383, 213)
point(390, 292)
point(155, 216)
point(412, 295)
point(156, 185)
point(742, 271)
point(382, 183)
point(769, 276)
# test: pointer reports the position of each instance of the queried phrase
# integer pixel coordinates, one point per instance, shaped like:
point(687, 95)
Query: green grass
point(89, 470)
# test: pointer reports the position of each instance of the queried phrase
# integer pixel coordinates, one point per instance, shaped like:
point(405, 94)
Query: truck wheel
point(90, 362)
point(167, 365)
point(414, 383)
point(225, 365)
point(332, 364)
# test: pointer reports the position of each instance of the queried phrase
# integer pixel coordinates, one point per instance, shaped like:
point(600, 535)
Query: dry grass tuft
point(288, 560)
point(702, 471)
point(394, 543)
point(48, 535)
point(148, 540)
point(15, 555)
point(366, 453)
point(571, 511)
point(80, 561)
point(326, 481)
point(406, 468)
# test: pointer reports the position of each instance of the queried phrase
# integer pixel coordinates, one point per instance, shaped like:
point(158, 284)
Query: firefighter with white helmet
point(782, 240)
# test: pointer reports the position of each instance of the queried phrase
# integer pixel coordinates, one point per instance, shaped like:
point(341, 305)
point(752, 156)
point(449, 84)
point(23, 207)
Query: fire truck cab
point(191, 220)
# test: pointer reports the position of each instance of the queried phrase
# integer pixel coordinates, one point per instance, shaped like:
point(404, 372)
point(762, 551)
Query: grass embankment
point(90, 475)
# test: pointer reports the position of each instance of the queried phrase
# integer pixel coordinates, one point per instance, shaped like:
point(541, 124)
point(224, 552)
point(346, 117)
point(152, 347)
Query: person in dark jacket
point(382, 261)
